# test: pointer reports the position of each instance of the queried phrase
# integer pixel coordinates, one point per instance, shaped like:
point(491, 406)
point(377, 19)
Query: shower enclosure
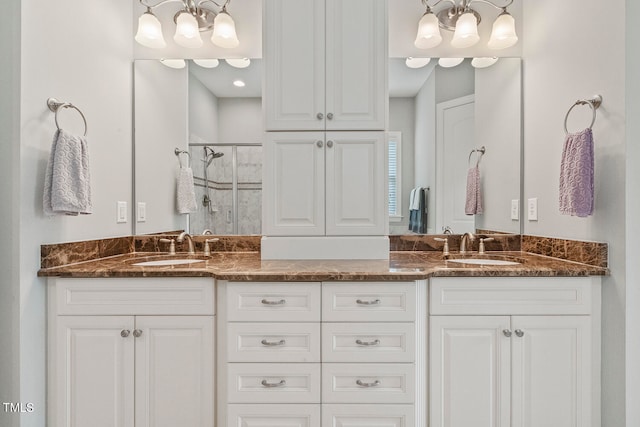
point(228, 188)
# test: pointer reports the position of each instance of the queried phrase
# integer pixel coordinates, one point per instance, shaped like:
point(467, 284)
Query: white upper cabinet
point(325, 64)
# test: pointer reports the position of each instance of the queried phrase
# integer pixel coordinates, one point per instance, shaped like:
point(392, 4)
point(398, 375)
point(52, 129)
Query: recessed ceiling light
point(416, 62)
point(483, 62)
point(239, 83)
point(174, 63)
point(207, 63)
point(238, 62)
point(450, 62)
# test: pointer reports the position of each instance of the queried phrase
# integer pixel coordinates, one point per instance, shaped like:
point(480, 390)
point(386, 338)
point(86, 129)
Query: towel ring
point(178, 151)
point(594, 103)
point(55, 106)
point(480, 152)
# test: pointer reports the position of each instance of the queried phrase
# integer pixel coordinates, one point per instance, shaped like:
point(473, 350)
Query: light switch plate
point(515, 209)
point(141, 212)
point(532, 209)
point(121, 212)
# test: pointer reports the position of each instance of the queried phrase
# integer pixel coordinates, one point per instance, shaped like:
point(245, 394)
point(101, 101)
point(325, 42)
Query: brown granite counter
point(247, 266)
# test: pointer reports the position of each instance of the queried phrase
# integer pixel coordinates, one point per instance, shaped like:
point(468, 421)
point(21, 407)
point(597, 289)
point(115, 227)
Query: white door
point(552, 372)
point(293, 189)
point(94, 362)
point(469, 371)
point(356, 199)
point(356, 64)
point(455, 135)
point(294, 46)
point(174, 371)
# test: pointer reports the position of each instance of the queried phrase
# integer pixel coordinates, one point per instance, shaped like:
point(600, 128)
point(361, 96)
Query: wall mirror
point(198, 110)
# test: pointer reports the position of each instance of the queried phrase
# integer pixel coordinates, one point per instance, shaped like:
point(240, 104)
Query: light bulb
point(224, 31)
point(428, 32)
point(416, 62)
point(187, 32)
point(207, 63)
point(450, 62)
point(238, 62)
point(483, 62)
point(503, 33)
point(466, 34)
point(150, 31)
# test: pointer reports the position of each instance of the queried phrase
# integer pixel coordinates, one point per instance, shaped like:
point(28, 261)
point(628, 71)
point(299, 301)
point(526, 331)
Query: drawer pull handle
point(374, 302)
point(363, 384)
point(279, 302)
point(368, 343)
point(272, 343)
point(267, 384)
point(507, 333)
point(519, 333)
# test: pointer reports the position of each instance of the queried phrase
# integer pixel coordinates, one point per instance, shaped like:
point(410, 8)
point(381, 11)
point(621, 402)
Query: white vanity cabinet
point(131, 352)
point(319, 184)
point(519, 352)
point(325, 64)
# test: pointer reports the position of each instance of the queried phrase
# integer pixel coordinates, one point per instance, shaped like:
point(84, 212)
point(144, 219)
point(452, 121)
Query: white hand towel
point(67, 183)
point(185, 192)
point(413, 194)
point(415, 200)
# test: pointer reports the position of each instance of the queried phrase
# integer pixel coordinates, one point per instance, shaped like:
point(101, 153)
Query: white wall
point(9, 209)
point(203, 111)
point(80, 52)
point(240, 120)
point(425, 144)
point(402, 118)
point(564, 60)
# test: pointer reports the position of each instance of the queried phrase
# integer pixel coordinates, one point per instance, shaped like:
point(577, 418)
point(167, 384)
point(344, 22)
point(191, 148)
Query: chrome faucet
point(463, 243)
point(186, 235)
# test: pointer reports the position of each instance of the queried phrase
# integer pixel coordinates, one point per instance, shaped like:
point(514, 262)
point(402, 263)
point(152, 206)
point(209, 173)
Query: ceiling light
point(238, 62)
point(174, 63)
point(483, 62)
point(417, 62)
point(450, 62)
point(191, 19)
point(239, 83)
point(461, 18)
point(207, 63)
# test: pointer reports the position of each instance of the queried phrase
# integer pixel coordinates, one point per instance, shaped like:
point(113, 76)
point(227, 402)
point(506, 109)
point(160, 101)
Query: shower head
point(209, 155)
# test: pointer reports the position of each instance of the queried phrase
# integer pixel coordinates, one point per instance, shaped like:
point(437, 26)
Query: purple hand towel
point(576, 174)
point(473, 204)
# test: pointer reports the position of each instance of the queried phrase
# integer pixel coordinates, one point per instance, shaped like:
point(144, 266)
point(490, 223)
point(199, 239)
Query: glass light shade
point(207, 63)
point(428, 32)
point(224, 31)
point(503, 34)
point(187, 32)
point(174, 63)
point(483, 62)
point(450, 62)
point(238, 62)
point(416, 62)
point(466, 34)
point(150, 31)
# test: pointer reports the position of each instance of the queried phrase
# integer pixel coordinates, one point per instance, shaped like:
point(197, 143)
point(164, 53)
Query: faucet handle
point(481, 244)
point(445, 247)
point(172, 245)
point(207, 248)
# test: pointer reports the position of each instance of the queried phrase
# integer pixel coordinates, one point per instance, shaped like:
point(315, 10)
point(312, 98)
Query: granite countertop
point(247, 266)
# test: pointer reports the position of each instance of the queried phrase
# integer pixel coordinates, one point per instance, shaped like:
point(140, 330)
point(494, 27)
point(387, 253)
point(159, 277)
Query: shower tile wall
point(219, 216)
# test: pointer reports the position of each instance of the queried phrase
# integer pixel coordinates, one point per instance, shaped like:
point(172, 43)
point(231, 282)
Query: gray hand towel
point(576, 174)
point(185, 192)
point(67, 184)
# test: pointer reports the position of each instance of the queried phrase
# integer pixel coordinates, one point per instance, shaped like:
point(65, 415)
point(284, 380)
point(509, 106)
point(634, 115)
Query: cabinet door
point(356, 64)
point(174, 371)
point(93, 365)
point(294, 48)
point(469, 371)
point(293, 190)
point(356, 202)
point(552, 371)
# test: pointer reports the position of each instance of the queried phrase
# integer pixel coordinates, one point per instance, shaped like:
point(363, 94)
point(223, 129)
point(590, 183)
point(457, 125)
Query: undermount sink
point(483, 261)
point(166, 262)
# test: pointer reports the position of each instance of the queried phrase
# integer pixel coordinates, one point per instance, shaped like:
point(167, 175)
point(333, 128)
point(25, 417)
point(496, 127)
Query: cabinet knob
point(319, 144)
point(329, 143)
point(506, 332)
point(330, 116)
point(519, 333)
point(367, 343)
point(268, 302)
point(125, 333)
point(267, 384)
point(372, 302)
point(137, 333)
point(272, 343)
point(320, 116)
point(363, 384)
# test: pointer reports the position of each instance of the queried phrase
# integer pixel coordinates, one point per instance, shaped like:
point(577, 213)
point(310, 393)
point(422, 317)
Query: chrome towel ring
point(55, 106)
point(480, 152)
point(594, 103)
point(178, 151)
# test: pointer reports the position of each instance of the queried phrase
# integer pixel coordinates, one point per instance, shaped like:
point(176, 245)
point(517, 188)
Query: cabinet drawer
point(273, 302)
point(273, 342)
point(128, 296)
point(273, 383)
point(368, 383)
point(368, 342)
point(273, 415)
point(368, 416)
point(368, 301)
point(511, 296)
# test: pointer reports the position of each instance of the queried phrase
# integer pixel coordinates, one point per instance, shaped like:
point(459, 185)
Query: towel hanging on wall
point(576, 174)
point(186, 195)
point(67, 184)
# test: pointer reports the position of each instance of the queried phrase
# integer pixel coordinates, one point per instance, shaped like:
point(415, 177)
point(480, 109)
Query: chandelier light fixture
point(193, 18)
point(463, 20)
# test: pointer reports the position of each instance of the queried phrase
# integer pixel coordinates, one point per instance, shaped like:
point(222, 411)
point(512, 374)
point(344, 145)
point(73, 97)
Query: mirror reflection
point(437, 116)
